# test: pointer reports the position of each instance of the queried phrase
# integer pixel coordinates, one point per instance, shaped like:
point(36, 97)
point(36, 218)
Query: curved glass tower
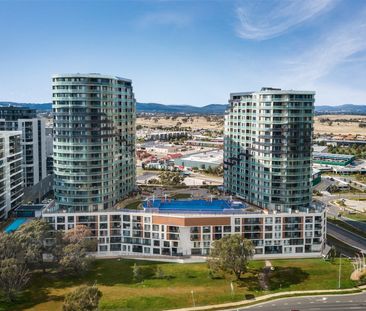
point(268, 148)
point(94, 141)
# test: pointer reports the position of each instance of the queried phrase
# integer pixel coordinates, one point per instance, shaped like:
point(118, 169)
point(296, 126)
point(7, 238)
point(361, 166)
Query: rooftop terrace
point(194, 206)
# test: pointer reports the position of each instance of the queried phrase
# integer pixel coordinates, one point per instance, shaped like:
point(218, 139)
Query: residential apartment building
point(188, 228)
point(94, 141)
point(11, 172)
point(268, 148)
point(33, 140)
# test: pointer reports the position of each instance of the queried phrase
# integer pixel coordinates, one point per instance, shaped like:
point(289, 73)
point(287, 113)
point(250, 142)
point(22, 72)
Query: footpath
point(274, 296)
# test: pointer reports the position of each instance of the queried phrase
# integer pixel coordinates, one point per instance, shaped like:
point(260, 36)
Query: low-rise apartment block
point(189, 227)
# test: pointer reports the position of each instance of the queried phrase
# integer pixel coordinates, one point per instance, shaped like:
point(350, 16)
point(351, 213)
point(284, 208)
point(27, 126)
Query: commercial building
point(186, 228)
point(332, 158)
point(11, 172)
point(94, 141)
point(166, 135)
point(202, 160)
point(33, 140)
point(316, 177)
point(268, 146)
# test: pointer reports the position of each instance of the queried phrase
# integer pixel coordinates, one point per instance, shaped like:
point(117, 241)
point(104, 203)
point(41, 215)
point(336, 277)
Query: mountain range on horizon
point(208, 109)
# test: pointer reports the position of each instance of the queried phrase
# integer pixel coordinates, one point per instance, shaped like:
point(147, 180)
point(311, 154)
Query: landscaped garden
point(168, 285)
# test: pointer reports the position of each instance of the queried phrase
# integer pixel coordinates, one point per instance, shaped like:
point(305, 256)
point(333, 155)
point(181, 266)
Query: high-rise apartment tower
point(11, 172)
point(268, 148)
point(94, 141)
point(33, 140)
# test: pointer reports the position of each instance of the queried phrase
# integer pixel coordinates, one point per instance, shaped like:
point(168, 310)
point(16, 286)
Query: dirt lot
point(338, 127)
point(212, 123)
point(337, 124)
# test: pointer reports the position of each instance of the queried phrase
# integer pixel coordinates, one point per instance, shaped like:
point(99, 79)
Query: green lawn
point(356, 216)
point(134, 205)
point(120, 292)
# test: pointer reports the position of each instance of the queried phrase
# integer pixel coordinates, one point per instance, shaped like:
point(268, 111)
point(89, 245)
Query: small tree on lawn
point(76, 244)
point(32, 238)
point(136, 273)
point(14, 276)
point(74, 259)
point(332, 254)
point(231, 254)
point(80, 234)
point(159, 273)
point(84, 298)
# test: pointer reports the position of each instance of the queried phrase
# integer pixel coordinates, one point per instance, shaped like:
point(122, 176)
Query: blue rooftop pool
point(191, 205)
point(15, 225)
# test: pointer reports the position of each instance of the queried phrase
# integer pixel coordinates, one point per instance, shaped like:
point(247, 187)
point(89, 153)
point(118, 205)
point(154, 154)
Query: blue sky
point(187, 52)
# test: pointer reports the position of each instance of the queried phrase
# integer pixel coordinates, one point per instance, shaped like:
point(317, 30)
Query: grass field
point(201, 122)
point(339, 128)
point(120, 292)
point(356, 216)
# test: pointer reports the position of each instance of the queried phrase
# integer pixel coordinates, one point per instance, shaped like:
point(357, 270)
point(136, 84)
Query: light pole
point(340, 270)
point(193, 301)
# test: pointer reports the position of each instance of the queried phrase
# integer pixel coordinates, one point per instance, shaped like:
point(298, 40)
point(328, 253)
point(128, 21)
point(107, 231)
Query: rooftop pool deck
point(177, 206)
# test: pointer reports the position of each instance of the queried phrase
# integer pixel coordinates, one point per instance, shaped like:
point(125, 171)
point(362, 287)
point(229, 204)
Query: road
point(313, 303)
point(346, 237)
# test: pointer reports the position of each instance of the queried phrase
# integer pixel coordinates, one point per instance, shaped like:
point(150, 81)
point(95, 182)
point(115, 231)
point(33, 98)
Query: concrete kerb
point(269, 297)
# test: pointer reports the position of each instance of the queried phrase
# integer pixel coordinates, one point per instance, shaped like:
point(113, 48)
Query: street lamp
point(340, 270)
point(193, 301)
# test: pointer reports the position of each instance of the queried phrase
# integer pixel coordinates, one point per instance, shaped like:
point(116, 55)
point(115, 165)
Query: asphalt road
point(346, 236)
point(358, 224)
point(314, 303)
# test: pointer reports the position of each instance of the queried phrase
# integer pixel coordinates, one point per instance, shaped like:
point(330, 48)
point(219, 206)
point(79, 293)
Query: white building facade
point(11, 173)
point(33, 141)
point(152, 233)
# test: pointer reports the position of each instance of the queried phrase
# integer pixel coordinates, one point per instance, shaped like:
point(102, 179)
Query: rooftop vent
point(270, 89)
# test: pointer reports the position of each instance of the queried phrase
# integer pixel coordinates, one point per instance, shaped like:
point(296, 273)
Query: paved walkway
point(271, 296)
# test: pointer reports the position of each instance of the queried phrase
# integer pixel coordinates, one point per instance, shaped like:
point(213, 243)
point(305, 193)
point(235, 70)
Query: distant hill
point(141, 107)
point(160, 108)
point(342, 109)
point(209, 109)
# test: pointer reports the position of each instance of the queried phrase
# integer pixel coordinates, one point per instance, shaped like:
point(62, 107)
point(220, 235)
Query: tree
point(74, 259)
point(137, 273)
point(171, 178)
point(9, 246)
point(83, 298)
point(332, 254)
point(33, 238)
point(14, 276)
point(75, 245)
point(81, 235)
point(230, 254)
point(159, 273)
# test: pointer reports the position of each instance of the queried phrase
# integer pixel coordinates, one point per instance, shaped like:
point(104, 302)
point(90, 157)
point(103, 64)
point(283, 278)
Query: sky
point(187, 52)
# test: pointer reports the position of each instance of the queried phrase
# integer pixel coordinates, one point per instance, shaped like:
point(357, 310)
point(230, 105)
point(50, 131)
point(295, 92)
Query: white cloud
point(332, 49)
point(261, 20)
